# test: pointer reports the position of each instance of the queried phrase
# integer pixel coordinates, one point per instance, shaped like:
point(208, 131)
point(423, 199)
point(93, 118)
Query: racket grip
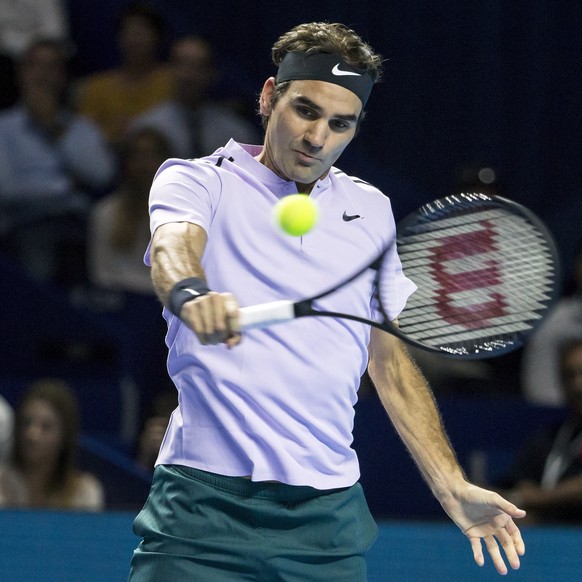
point(266, 314)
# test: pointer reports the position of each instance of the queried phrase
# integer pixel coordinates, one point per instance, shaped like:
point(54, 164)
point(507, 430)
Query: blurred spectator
point(154, 428)
point(546, 479)
point(193, 124)
point(51, 162)
point(42, 470)
point(120, 281)
point(6, 427)
point(119, 223)
point(113, 98)
point(541, 380)
point(22, 22)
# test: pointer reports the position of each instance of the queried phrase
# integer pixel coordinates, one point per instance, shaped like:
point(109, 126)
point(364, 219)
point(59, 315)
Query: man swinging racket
point(256, 478)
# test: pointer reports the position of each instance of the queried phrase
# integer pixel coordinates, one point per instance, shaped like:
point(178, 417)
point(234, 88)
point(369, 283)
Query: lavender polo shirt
point(280, 405)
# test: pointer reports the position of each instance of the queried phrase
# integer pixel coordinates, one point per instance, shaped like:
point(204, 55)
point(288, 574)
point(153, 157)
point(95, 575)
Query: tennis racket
point(486, 271)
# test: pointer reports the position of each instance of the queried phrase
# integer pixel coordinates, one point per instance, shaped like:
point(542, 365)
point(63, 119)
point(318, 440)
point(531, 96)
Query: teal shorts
point(201, 526)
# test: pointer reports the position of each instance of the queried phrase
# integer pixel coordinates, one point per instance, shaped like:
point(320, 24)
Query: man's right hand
point(213, 318)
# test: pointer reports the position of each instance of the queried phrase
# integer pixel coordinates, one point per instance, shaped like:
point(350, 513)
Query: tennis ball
point(296, 214)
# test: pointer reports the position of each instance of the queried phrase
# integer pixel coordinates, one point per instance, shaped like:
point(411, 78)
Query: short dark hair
point(325, 37)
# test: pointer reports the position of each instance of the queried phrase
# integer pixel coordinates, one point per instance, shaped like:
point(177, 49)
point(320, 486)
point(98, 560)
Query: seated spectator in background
point(546, 479)
point(191, 121)
point(6, 427)
point(51, 162)
point(541, 381)
point(119, 229)
point(21, 22)
point(41, 472)
point(113, 98)
point(154, 428)
point(118, 236)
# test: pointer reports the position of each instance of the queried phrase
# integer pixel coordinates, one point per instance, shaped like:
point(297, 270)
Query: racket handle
point(266, 314)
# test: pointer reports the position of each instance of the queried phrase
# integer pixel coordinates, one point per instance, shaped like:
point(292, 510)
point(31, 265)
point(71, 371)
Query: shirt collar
point(244, 157)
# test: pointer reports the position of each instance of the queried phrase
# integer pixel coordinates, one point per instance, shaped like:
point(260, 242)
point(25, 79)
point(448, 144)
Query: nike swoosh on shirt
point(339, 73)
point(347, 217)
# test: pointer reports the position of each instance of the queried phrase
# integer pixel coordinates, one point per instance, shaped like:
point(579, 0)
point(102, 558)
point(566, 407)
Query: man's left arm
point(410, 404)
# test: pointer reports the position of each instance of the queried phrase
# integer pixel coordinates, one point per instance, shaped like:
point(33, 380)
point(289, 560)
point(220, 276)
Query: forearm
point(412, 409)
point(176, 255)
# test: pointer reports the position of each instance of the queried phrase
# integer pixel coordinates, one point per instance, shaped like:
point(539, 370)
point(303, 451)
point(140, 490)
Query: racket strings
point(484, 278)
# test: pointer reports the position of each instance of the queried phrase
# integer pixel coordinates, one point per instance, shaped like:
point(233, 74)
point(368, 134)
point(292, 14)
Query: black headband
point(328, 67)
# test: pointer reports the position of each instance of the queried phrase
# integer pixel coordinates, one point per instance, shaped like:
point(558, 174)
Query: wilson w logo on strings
point(477, 274)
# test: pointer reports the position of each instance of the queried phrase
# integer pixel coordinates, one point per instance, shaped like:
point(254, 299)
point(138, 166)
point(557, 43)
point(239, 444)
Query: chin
point(306, 177)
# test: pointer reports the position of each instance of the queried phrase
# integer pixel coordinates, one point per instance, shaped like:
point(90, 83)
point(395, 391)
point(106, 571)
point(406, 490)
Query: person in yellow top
point(112, 98)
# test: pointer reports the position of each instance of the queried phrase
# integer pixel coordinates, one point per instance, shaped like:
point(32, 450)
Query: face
point(137, 39)
point(309, 128)
point(42, 433)
point(193, 73)
point(44, 67)
point(572, 374)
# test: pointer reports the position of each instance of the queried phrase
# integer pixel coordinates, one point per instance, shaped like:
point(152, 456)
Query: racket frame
point(267, 314)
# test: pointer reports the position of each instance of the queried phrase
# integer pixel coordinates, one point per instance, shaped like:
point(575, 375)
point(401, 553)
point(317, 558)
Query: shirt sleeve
point(393, 286)
point(183, 191)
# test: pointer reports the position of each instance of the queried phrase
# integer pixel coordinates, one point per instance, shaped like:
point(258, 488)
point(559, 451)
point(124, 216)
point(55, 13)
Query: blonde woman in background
point(42, 469)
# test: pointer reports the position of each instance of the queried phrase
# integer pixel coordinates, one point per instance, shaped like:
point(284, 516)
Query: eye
point(340, 125)
point(306, 112)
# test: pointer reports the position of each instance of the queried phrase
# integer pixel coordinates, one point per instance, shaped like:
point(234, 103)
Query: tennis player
point(256, 478)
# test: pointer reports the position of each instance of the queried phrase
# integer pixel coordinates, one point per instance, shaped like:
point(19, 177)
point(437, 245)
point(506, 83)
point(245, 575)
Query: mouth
point(306, 158)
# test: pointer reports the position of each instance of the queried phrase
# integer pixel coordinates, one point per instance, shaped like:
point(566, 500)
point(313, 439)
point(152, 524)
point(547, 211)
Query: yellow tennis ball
point(296, 214)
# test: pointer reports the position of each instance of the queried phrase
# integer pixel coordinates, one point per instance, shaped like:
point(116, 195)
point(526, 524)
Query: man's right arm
point(176, 255)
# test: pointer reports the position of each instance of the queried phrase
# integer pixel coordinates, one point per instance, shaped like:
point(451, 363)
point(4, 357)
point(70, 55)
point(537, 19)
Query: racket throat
point(303, 308)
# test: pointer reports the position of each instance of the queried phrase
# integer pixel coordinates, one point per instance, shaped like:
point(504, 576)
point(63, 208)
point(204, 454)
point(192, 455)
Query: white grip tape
point(265, 314)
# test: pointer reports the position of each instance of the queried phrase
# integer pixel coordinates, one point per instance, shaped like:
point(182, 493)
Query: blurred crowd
point(75, 152)
point(77, 157)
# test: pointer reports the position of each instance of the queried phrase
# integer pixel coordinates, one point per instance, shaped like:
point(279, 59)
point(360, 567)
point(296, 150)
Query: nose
point(316, 134)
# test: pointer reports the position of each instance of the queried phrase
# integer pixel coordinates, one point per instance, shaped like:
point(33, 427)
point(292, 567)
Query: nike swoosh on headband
point(328, 67)
point(339, 73)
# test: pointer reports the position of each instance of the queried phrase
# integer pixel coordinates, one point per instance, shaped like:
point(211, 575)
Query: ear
point(265, 98)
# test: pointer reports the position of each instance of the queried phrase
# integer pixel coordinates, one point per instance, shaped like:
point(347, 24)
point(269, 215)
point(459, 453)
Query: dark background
point(467, 82)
